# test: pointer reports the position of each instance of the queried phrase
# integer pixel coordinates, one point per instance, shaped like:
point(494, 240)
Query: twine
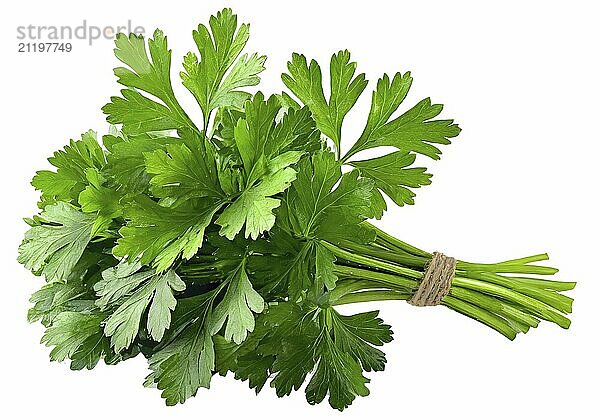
point(436, 282)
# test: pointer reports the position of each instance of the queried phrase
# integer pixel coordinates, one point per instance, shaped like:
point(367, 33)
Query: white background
point(521, 78)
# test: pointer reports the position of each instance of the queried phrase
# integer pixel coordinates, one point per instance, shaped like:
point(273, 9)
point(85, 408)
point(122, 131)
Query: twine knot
point(436, 282)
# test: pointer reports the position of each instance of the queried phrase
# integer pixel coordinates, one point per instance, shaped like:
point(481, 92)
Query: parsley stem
point(385, 278)
point(486, 292)
point(371, 295)
point(360, 259)
point(384, 254)
point(397, 243)
point(560, 302)
point(174, 105)
point(540, 309)
point(481, 315)
point(406, 286)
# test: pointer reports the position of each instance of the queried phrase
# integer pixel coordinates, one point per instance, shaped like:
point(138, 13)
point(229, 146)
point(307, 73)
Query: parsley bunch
point(227, 244)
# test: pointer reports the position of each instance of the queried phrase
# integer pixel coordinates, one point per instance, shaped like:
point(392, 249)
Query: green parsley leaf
point(237, 306)
point(132, 292)
point(75, 294)
point(70, 177)
point(180, 173)
point(207, 79)
point(53, 247)
point(77, 336)
point(338, 375)
point(266, 143)
point(313, 203)
point(267, 150)
point(393, 176)
point(137, 113)
point(253, 360)
point(285, 269)
point(187, 360)
point(306, 83)
point(295, 361)
point(413, 131)
point(51, 299)
point(305, 266)
point(159, 235)
point(305, 337)
point(126, 166)
point(357, 334)
point(254, 207)
point(101, 200)
point(312, 211)
point(324, 268)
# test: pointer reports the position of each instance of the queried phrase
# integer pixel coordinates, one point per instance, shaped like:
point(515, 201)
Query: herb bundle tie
point(436, 282)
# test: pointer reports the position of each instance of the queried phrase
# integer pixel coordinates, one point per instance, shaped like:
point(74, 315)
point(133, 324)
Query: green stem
point(494, 305)
point(541, 309)
point(344, 287)
point(406, 286)
point(398, 243)
point(509, 304)
point(174, 106)
point(507, 268)
point(481, 315)
point(386, 255)
point(527, 260)
point(560, 302)
point(370, 296)
point(557, 286)
point(359, 259)
point(385, 278)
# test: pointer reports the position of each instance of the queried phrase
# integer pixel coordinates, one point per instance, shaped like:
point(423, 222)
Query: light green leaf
point(140, 115)
point(254, 207)
point(267, 150)
point(71, 334)
point(306, 83)
point(237, 307)
point(392, 175)
point(101, 200)
point(73, 294)
point(159, 235)
point(253, 135)
point(163, 302)
point(243, 73)
point(219, 48)
point(140, 289)
point(118, 282)
point(312, 202)
point(413, 131)
point(180, 173)
point(51, 299)
point(187, 362)
point(151, 74)
point(126, 162)
point(53, 247)
point(266, 144)
point(69, 179)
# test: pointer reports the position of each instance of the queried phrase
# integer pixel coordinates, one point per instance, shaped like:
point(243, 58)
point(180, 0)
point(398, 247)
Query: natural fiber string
point(436, 282)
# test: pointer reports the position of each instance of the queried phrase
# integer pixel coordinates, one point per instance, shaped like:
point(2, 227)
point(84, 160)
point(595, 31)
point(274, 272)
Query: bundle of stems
point(508, 296)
